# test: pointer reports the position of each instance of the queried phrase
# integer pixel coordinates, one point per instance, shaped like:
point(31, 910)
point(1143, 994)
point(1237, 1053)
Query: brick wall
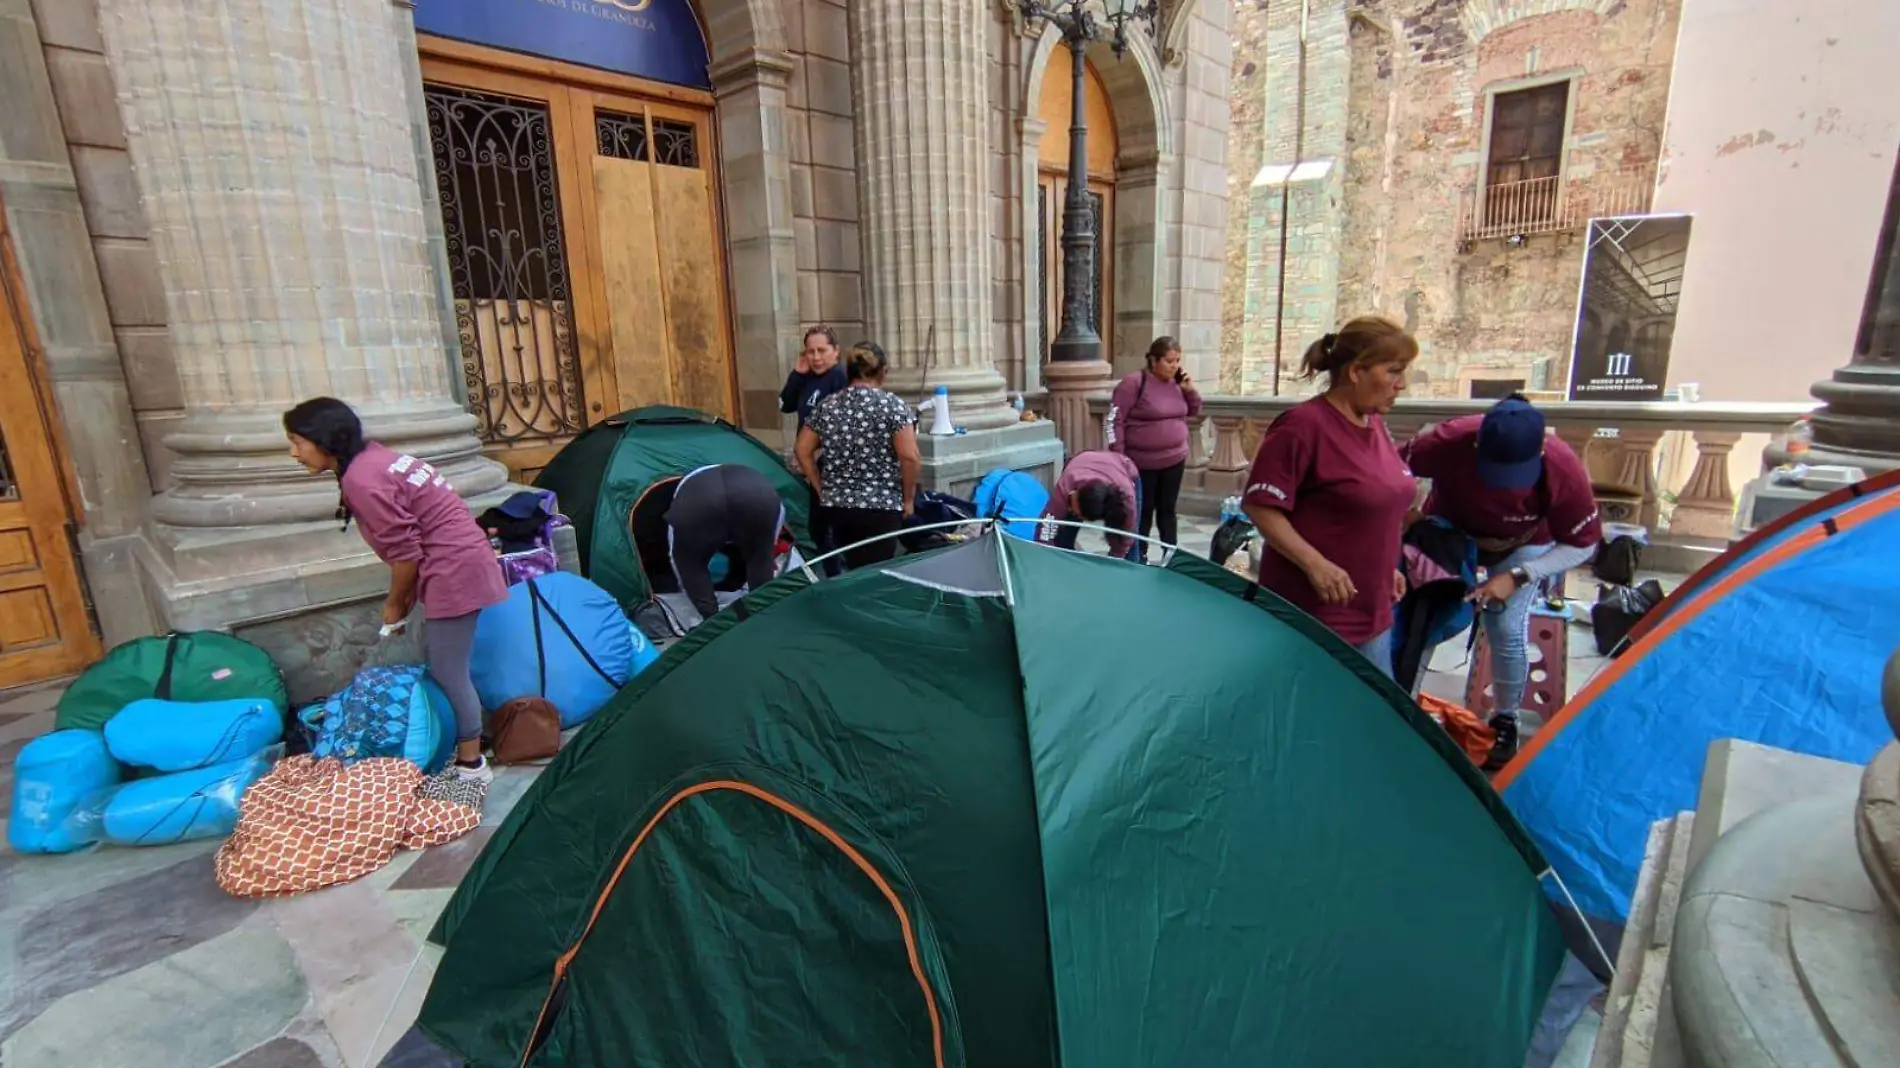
point(824, 167)
point(128, 265)
point(1414, 76)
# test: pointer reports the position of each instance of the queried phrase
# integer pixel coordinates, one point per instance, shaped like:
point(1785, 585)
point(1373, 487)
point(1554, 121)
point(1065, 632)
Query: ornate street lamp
point(1077, 339)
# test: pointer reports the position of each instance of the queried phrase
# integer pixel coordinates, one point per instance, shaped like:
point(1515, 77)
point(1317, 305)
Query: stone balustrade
point(1637, 453)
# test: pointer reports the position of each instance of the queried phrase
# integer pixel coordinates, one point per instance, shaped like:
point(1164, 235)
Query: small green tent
point(605, 474)
point(1002, 805)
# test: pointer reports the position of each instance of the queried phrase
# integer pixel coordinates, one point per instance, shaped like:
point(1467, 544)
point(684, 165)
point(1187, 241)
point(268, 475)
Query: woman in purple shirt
point(1148, 423)
point(420, 527)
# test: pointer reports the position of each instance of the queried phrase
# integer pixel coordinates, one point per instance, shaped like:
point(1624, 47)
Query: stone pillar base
point(309, 593)
point(233, 469)
point(1071, 385)
point(978, 398)
point(954, 464)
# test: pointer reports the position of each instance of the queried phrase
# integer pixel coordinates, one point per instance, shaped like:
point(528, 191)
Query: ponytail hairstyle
point(333, 427)
point(866, 362)
point(1102, 503)
point(1367, 340)
point(1160, 349)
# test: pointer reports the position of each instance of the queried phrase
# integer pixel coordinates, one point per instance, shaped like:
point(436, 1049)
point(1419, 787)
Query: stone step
point(1639, 1028)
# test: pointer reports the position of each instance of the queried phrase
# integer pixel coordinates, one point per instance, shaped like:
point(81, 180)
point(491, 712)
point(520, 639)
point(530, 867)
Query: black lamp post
point(1077, 339)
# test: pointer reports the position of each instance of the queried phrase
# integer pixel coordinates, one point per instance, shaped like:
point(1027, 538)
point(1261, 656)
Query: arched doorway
point(576, 167)
point(1052, 189)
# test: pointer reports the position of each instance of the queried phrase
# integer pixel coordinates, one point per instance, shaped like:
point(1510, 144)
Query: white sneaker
point(479, 775)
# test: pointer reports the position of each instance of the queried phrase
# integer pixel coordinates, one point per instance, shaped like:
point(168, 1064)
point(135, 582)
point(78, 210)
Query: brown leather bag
point(525, 729)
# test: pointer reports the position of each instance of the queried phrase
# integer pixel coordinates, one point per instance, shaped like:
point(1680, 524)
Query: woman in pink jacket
point(437, 554)
point(1097, 486)
point(1148, 423)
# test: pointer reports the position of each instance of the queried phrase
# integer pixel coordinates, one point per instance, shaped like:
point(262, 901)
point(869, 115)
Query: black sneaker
point(1504, 746)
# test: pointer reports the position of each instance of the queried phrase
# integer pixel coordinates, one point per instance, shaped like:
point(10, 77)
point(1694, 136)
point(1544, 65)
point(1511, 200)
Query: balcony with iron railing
point(1514, 210)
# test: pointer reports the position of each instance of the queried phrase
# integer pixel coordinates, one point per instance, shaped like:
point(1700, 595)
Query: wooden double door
point(584, 248)
point(45, 628)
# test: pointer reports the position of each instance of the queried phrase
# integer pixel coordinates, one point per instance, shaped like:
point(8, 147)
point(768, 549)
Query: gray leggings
point(449, 643)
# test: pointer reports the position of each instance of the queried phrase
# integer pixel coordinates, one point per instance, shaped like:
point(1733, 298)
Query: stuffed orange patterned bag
point(313, 823)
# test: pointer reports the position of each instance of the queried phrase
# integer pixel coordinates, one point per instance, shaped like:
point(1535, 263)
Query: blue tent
point(1781, 642)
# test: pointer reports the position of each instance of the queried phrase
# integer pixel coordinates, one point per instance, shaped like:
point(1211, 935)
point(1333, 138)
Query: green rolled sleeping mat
point(190, 666)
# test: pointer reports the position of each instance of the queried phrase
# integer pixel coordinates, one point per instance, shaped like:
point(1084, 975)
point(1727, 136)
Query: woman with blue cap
point(1524, 498)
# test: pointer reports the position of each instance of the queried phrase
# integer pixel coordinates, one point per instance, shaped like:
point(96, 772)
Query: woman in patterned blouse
point(866, 477)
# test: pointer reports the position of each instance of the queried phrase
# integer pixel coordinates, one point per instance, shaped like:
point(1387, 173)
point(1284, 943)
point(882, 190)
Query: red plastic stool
point(1546, 685)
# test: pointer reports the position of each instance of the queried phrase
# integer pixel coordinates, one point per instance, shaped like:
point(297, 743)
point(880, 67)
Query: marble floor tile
point(194, 1009)
point(86, 940)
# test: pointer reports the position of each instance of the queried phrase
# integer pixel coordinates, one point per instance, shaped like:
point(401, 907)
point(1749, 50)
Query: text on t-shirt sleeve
point(385, 520)
point(1281, 466)
point(1573, 516)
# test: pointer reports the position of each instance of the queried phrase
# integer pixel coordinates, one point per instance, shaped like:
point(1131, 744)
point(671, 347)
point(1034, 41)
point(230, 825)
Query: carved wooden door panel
point(655, 235)
point(45, 630)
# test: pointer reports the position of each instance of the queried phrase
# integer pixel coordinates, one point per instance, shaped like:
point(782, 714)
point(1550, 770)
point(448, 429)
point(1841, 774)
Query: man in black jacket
point(817, 375)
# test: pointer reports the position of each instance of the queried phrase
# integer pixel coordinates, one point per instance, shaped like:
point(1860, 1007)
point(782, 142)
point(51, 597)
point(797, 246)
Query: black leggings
point(1160, 490)
point(851, 525)
point(823, 540)
point(730, 508)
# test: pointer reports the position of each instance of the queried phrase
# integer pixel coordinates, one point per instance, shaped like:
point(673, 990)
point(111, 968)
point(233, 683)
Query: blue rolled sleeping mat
point(60, 783)
point(181, 735)
point(185, 805)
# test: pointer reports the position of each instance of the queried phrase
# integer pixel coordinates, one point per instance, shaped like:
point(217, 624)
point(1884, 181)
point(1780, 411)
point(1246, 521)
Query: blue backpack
point(395, 711)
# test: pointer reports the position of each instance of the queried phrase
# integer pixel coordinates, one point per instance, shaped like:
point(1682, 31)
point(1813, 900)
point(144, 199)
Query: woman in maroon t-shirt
point(437, 554)
point(1330, 493)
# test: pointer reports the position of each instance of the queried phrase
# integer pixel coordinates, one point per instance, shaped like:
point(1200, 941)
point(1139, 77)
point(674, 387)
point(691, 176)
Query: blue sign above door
point(655, 39)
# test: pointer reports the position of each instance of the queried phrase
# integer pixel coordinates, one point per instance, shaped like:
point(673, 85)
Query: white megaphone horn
point(939, 405)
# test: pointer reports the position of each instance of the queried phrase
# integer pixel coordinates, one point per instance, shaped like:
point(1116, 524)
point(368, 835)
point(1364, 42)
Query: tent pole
point(1002, 566)
point(1602, 953)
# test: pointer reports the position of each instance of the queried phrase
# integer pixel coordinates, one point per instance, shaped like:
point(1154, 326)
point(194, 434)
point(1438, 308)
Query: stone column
point(1859, 423)
point(923, 151)
point(273, 146)
point(755, 165)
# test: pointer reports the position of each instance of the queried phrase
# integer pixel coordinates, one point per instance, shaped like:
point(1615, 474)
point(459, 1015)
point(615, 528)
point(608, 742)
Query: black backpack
point(1618, 560)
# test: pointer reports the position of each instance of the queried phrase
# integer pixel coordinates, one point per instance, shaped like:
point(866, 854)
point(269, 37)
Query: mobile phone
point(1180, 377)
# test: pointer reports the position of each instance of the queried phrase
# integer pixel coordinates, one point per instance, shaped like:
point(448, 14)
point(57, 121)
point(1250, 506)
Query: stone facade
point(193, 268)
point(1371, 144)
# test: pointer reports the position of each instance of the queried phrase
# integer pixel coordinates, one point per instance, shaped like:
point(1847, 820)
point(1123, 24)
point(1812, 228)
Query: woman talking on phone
point(437, 554)
point(1147, 422)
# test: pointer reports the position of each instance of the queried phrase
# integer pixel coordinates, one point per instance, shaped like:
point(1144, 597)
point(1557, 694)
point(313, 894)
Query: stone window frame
point(1488, 113)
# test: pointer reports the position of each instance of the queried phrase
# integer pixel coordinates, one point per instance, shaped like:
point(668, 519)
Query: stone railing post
point(1196, 477)
point(1250, 434)
point(1227, 468)
point(1629, 494)
point(1705, 506)
point(1578, 438)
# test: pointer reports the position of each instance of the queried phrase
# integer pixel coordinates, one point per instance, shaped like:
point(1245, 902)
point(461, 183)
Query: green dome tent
point(1002, 805)
point(629, 463)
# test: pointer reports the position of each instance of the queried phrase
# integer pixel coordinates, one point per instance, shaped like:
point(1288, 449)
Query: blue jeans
point(1378, 649)
point(1507, 631)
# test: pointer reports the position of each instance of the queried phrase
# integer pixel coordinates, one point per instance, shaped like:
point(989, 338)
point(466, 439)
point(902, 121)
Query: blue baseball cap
point(1511, 445)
